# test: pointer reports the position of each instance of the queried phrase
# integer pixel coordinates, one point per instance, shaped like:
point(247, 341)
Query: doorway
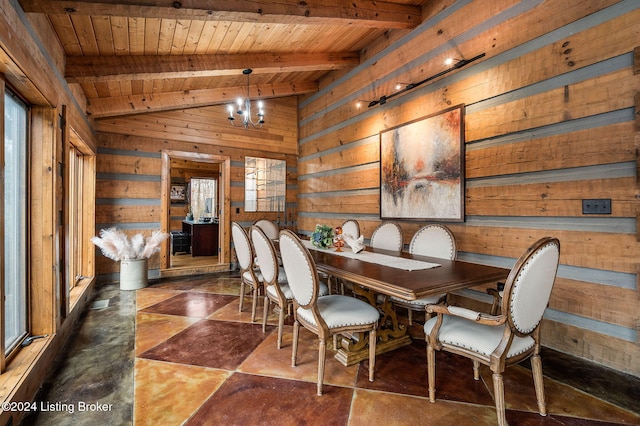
point(222, 260)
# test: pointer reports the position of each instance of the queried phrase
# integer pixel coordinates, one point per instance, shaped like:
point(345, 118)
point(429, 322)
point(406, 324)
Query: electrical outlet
point(596, 206)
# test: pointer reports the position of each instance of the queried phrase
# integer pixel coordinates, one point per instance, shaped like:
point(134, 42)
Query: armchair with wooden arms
point(505, 339)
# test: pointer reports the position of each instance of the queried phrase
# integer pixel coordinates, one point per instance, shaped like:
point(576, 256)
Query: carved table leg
point(391, 334)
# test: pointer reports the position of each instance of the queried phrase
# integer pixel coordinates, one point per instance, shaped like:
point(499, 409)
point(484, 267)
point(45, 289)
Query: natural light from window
point(15, 217)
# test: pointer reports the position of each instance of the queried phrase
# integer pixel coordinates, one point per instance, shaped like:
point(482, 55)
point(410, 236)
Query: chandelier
point(243, 109)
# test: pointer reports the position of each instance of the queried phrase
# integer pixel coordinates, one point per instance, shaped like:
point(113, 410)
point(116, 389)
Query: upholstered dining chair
point(249, 275)
point(500, 340)
point(435, 241)
point(324, 316)
point(276, 286)
point(387, 236)
point(351, 227)
point(269, 227)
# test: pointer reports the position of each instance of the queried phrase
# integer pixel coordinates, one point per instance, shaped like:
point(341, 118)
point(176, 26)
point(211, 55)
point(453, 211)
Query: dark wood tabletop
point(410, 285)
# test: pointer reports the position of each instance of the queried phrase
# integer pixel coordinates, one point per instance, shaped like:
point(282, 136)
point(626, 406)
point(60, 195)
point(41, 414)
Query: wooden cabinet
point(204, 237)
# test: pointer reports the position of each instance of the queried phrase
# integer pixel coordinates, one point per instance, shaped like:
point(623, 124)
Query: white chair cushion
point(271, 291)
point(431, 300)
point(339, 311)
point(324, 289)
point(248, 278)
point(479, 338)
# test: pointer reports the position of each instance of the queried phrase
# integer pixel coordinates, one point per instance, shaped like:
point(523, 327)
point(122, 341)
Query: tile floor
point(179, 352)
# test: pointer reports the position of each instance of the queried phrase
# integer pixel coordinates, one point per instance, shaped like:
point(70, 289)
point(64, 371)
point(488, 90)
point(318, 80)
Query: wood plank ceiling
point(133, 56)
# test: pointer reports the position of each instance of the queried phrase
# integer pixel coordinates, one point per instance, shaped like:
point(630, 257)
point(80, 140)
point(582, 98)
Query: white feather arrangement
point(153, 244)
point(115, 244)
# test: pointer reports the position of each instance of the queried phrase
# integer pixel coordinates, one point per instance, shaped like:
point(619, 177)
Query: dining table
point(375, 275)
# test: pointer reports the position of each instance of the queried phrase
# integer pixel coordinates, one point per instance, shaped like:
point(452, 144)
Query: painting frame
point(422, 165)
point(178, 193)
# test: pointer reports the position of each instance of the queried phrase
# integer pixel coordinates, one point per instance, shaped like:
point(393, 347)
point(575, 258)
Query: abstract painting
point(422, 168)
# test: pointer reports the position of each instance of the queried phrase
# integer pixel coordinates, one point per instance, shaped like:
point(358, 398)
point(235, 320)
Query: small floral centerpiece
point(322, 236)
point(117, 246)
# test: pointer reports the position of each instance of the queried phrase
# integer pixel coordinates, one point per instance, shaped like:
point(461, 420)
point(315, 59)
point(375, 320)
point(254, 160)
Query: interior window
point(264, 184)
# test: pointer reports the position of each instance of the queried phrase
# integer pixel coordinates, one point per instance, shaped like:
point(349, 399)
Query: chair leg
point(498, 390)
point(256, 291)
point(372, 353)
point(322, 346)
point(536, 366)
point(294, 343)
point(241, 296)
point(280, 326)
point(410, 316)
point(431, 372)
point(476, 370)
point(265, 314)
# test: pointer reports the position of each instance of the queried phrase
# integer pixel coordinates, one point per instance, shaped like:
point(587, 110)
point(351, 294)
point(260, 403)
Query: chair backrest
point(387, 236)
point(351, 227)
point(528, 287)
point(435, 241)
point(266, 254)
point(242, 244)
point(269, 227)
point(300, 269)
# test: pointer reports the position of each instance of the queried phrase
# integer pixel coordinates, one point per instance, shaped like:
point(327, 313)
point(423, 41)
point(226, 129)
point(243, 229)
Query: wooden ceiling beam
point(137, 104)
point(366, 13)
point(83, 69)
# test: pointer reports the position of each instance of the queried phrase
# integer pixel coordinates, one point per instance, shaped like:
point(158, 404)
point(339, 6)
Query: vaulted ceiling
point(133, 56)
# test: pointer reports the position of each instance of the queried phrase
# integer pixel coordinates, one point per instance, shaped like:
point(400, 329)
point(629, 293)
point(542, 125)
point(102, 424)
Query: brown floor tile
point(230, 312)
point(188, 283)
point(269, 361)
point(254, 400)
point(207, 343)
point(454, 378)
point(148, 297)
point(153, 329)
point(376, 408)
point(191, 304)
point(403, 370)
point(561, 399)
point(238, 376)
point(168, 394)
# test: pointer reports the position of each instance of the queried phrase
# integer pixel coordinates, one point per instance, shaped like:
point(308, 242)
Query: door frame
point(224, 185)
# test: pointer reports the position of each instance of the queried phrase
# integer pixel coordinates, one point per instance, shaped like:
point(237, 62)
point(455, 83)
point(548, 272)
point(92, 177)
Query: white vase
point(133, 274)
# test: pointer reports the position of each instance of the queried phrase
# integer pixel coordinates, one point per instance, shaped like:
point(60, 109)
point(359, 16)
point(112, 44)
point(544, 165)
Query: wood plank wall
point(129, 164)
point(549, 122)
